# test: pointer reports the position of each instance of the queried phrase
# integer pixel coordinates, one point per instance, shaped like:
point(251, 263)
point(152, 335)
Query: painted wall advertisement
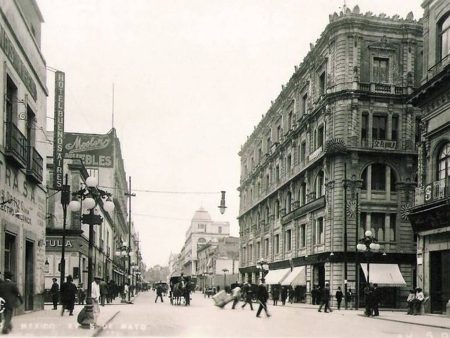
point(95, 150)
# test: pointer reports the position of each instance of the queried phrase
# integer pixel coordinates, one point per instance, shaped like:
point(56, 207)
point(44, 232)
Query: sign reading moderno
point(95, 150)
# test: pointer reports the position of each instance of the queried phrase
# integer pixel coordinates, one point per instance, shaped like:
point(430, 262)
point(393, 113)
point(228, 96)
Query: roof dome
point(201, 215)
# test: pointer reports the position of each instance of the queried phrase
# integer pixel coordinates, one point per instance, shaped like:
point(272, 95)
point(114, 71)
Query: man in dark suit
point(262, 295)
point(54, 291)
point(325, 299)
point(68, 294)
point(376, 294)
point(10, 293)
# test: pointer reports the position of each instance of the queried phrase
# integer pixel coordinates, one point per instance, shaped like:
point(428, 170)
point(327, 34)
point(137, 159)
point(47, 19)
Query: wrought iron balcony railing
point(16, 144)
point(35, 167)
point(432, 192)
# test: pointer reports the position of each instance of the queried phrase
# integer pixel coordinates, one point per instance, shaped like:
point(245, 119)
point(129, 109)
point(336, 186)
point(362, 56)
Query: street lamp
point(263, 267)
point(222, 206)
point(90, 196)
point(367, 245)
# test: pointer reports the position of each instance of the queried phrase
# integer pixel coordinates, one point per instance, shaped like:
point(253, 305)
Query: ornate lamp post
point(91, 196)
point(367, 245)
point(263, 267)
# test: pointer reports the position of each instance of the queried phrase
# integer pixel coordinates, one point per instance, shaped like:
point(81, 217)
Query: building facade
point(22, 140)
point(341, 120)
point(430, 216)
point(201, 230)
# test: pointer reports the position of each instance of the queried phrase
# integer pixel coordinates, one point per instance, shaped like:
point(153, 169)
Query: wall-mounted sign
point(384, 144)
point(58, 131)
point(95, 150)
point(58, 243)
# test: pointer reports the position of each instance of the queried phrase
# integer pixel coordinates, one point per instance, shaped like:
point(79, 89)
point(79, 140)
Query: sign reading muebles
point(95, 150)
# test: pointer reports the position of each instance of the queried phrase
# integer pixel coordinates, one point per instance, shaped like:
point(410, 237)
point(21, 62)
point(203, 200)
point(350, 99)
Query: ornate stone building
point(430, 216)
point(343, 117)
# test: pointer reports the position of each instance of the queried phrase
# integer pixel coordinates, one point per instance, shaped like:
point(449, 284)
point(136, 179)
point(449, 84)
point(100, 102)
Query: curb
point(412, 323)
point(100, 329)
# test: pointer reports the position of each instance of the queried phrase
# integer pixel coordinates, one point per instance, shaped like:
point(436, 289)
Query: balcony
point(433, 192)
point(16, 145)
point(382, 88)
point(35, 167)
point(438, 67)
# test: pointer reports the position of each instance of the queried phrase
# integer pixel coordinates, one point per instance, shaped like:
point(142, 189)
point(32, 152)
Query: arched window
point(444, 37)
point(320, 188)
point(444, 162)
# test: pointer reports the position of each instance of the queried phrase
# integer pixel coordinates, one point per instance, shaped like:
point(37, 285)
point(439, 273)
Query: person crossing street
point(262, 295)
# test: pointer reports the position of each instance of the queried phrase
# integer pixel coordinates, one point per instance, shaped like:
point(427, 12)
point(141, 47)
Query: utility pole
point(345, 234)
point(129, 195)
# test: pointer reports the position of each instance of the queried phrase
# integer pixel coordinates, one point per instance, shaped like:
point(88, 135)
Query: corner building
point(342, 117)
point(430, 216)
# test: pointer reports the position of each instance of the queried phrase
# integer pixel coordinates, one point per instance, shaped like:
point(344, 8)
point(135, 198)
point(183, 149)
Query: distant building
point(342, 118)
point(201, 230)
point(22, 149)
point(430, 216)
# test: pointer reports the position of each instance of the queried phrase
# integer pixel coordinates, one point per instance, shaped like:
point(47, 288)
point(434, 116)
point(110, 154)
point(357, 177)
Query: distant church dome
point(201, 215)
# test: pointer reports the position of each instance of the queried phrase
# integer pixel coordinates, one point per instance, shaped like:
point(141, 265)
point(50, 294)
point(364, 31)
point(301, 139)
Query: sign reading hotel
point(58, 130)
point(94, 149)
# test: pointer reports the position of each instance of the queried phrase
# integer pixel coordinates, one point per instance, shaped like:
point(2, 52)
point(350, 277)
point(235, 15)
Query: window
point(10, 253)
point(364, 128)
point(302, 235)
point(288, 202)
point(279, 133)
point(266, 247)
point(320, 135)
point(276, 244)
point(378, 177)
point(380, 70)
point(302, 194)
point(379, 127)
point(250, 252)
point(267, 214)
point(289, 121)
point(258, 249)
point(244, 256)
point(444, 162)
point(303, 152)
point(267, 181)
point(260, 157)
point(378, 226)
point(394, 128)
point(269, 143)
point(31, 118)
point(277, 209)
point(322, 79)
point(11, 101)
point(444, 37)
point(288, 163)
point(288, 240)
point(277, 173)
point(318, 231)
point(201, 226)
point(393, 219)
point(393, 181)
point(220, 230)
point(320, 189)
point(305, 104)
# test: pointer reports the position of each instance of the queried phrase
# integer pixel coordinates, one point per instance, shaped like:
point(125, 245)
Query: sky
point(191, 80)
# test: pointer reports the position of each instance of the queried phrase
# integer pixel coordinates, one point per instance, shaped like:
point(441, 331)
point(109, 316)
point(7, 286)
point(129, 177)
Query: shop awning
point(384, 274)
point(276, 276)
point(296, 277)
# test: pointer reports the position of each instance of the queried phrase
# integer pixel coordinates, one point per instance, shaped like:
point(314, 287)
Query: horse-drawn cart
point(180, 290)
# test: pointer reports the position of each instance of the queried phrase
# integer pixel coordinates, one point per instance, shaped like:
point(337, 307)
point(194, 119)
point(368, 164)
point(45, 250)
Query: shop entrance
point(439, 280)
point(319, 275)
point(29, 275)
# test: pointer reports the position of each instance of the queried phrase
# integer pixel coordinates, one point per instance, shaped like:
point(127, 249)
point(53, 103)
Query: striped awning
point(276, 276)
point(384, 274)
point(296, 277)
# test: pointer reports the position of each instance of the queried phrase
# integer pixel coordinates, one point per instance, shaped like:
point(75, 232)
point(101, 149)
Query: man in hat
point(262, 295)
point(68, 294)
point(11, 295)
point(95, 297)
point(54, 292)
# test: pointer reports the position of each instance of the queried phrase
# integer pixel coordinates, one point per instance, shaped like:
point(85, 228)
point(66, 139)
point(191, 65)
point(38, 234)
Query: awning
point(276, 276)
point(296, 277)
point(384, 274)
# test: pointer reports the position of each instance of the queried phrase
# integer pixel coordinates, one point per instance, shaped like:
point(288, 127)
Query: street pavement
point(203, 319)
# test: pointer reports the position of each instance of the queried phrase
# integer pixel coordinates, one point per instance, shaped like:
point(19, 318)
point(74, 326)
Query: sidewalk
point(49, 322)
point(393, 315)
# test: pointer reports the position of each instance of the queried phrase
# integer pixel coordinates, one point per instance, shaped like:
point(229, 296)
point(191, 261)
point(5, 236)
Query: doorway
point(439, 280)
point(29, 275)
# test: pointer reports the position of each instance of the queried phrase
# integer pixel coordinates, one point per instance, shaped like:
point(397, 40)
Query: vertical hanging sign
point(58, 130)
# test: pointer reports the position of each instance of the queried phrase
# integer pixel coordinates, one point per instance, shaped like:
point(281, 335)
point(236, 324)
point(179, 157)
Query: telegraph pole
point(129, 194)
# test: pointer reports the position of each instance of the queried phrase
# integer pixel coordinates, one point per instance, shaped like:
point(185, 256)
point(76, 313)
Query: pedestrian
point(376, 299)
point(126, 290)
point(368, 297)
point(411, 301)
point(54, 292)
point(275, 294)
point(236, 293)
point(247, 295)
point(103, 292)
point(418, 301)
point(314, 295)
point(159, 292)
point(291, 294)
point(11, 295)
point(325, 299)
point(349, 298)
point(68, 294)
point(319, 292)
point(95, 298)
point(262, 295)
point(339, 295)
point(284, 293)
point(81, 294)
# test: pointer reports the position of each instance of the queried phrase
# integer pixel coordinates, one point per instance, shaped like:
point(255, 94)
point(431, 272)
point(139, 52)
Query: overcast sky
point(192, 79)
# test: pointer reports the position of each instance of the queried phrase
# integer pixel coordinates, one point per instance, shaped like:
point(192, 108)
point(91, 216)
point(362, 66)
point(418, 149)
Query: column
point(388, 183)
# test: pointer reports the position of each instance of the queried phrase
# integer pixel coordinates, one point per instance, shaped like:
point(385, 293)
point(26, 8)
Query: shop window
point(379, 127)
point(444, 162)
point(444, 37)
point(380, 70)
point(288, 240)
point(378, 177)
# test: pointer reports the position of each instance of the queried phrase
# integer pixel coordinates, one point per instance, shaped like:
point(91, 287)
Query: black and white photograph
point(225, 168)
